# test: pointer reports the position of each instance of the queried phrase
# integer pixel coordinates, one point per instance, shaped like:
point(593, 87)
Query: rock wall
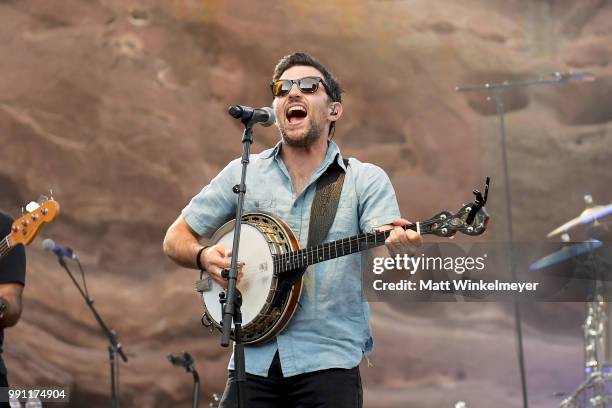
point(119, 107)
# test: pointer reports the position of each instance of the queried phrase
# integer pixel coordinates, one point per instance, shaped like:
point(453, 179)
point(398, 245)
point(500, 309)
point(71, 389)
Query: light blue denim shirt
point(331, 328)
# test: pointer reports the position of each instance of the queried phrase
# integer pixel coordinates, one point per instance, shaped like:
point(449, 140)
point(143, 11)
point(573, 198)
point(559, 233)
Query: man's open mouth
point(296, 114)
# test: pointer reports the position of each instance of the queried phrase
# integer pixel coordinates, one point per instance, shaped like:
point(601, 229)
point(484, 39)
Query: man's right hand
point(217, 258)
point(181, 244)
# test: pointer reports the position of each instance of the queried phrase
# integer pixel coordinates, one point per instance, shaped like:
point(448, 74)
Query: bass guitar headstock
point(471, 219)
point(26, 227)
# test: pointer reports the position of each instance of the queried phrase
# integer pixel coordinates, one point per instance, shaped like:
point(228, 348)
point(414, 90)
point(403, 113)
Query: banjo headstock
point(471, 219)
point(447, 224)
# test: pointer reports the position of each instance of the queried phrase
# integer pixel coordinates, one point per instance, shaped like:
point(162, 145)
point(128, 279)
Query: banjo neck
point(471, 219)
point(443, 224)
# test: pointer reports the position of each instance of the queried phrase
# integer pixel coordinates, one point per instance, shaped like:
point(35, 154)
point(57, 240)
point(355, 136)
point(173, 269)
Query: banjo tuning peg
point(486, 193)
point(479, 202)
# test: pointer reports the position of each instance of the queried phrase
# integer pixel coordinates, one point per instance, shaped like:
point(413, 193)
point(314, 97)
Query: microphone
point(50, 246)
point(264, 116)
point(573, 76)
point(183, 359)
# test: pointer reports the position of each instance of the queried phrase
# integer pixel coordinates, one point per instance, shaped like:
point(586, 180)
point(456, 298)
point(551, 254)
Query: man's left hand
point(402, 240)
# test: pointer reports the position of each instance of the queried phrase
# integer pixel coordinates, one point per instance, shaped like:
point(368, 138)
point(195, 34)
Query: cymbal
point(589, 215)
point(565, 253)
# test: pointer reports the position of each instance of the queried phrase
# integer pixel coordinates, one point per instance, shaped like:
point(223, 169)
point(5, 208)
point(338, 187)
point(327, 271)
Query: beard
point(306, 137)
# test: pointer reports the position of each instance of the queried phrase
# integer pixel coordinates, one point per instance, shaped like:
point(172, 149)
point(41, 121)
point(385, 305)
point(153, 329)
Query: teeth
point(296, 108)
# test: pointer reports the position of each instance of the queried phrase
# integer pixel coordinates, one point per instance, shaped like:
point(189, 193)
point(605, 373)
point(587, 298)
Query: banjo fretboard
point(329, 250)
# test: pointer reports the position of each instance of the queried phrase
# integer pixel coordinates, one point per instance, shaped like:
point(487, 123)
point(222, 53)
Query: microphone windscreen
point(235, 111)
point(48, 245)
point(271, 116)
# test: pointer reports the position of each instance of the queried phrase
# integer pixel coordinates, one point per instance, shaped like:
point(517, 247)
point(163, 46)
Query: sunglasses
point(306, 85)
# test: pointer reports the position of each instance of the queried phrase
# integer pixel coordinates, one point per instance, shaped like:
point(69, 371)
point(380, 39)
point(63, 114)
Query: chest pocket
point(346, 218)
point(346, 201)
point(256, 203)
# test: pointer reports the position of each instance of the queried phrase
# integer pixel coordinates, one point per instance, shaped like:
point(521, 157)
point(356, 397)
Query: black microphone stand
point(231, 301)
point(196, 386)
point(499, 89)
point(186, 361)
point(114, 346)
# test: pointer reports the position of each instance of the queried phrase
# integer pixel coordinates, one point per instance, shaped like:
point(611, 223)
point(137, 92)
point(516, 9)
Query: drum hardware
point(268, 241)
point(185, 360)
point(597, 327)
point(595, 380)
point(598, 361)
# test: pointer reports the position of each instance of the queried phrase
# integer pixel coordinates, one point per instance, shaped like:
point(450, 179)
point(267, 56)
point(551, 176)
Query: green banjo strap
point(325, 203)
point(322, 214)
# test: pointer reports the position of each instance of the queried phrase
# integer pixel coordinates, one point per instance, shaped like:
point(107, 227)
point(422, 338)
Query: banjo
point(271, 282)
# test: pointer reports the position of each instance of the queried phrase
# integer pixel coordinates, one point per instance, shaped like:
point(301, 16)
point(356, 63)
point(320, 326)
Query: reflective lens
point(281, 87)
point(306, 85)
point(309, 85)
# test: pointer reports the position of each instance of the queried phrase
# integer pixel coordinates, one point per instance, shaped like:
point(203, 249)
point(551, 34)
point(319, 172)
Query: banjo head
point(256, 277)
point(264, 313)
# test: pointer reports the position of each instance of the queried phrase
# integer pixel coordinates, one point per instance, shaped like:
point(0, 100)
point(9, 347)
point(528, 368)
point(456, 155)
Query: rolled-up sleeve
point(377, 201)
point(215, 204)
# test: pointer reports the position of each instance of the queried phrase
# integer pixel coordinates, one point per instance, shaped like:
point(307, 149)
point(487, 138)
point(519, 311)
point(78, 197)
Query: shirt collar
point(333, 152)
point(273, 152)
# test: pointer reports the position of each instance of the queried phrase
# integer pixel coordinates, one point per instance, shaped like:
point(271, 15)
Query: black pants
point(333, 388)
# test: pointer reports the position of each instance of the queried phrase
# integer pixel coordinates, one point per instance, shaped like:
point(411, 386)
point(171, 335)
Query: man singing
point(314, 361)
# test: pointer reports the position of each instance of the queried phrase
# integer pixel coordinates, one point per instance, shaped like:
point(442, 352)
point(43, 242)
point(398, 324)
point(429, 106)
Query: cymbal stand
point(595, 342)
